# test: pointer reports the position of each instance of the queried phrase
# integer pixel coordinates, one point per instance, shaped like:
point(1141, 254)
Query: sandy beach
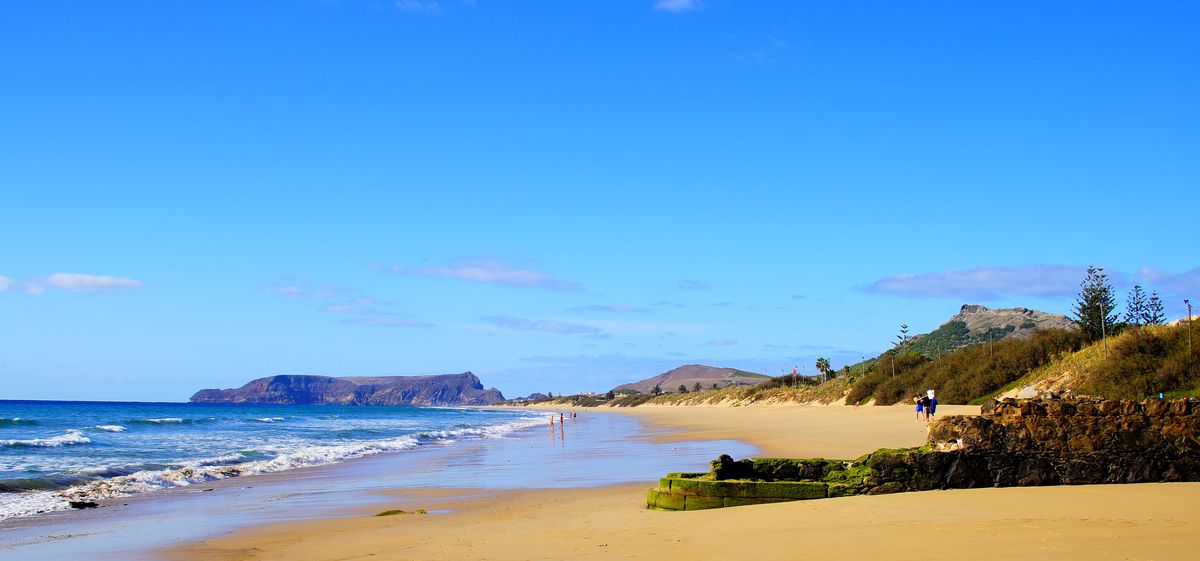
point(1150, 521)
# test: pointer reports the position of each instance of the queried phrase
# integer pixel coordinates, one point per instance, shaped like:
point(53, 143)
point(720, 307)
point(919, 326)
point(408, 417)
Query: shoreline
point(1154, 520)
point(595, 450)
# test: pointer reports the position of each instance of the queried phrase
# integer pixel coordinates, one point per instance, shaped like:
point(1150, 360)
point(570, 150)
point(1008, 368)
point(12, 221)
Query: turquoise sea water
point(55, 452)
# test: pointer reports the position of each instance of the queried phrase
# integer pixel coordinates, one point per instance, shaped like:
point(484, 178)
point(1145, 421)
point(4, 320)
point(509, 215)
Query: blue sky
point(566, 196)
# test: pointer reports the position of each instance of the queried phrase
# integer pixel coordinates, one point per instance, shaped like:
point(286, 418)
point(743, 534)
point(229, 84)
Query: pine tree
point(682, 388)
point(1095, 312)
point(902, 339)
point(697, 387)
point(1153, 315)
point(1136, 306)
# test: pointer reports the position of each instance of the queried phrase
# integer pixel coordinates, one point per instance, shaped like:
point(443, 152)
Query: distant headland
point(439, 390)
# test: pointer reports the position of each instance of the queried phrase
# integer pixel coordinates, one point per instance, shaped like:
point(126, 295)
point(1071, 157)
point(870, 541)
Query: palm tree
point(823, 366)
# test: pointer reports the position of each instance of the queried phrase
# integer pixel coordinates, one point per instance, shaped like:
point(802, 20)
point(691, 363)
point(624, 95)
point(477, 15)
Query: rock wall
point(1013, 443)
point(1077, 441)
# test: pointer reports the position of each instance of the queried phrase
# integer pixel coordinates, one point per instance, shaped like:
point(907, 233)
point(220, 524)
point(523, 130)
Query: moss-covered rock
point(703, 503)
point(888, 488)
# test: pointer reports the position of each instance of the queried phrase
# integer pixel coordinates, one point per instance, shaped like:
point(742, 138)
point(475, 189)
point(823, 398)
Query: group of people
point(926, 405)
point(562, 417)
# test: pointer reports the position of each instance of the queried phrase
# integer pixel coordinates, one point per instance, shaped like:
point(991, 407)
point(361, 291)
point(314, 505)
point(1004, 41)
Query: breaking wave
point(70, 438)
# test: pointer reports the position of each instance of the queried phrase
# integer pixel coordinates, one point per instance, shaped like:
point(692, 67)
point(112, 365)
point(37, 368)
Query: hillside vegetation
point(962, 375)
point(1143, 362)
point(1140, 362)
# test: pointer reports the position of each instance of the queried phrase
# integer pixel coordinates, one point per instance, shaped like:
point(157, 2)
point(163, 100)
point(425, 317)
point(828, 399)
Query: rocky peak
point(975, 324)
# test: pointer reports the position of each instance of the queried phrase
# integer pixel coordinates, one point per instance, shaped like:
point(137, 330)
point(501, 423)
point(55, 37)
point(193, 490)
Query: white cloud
point(488, 270)
point(676, 6)
point(79, 282)
point(5, 283)
point(720, 343)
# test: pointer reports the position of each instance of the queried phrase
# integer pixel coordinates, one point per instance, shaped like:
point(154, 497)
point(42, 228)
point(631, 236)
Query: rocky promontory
point(440, 390)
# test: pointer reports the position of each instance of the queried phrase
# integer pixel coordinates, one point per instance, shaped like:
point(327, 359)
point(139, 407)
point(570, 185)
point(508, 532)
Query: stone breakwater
point(1013, 443)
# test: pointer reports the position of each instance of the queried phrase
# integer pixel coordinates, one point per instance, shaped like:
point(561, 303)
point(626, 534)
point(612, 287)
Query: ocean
point(55, 452)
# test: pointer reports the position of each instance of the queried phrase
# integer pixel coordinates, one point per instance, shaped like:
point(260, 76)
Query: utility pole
point(1103, 329)
point(1189, 305)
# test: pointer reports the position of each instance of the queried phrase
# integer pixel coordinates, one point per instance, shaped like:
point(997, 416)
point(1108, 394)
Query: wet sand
point(1150, 521)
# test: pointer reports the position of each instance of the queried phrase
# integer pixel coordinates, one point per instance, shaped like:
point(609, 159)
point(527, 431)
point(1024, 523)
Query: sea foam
point(284, 451)
point(69, 438)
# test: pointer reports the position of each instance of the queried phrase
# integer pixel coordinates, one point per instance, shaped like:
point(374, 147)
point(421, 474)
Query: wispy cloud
point(984, 283)
point(432, 7)
point(612, 308)
point(345, 301)
point(692, 285)
point(1183, 284)
point(297, 288)
point(5, 283)
point(720, 343)
point(799, 297)
point(668, 304)
point(768, 54)
point(486, 270)
point(676, 6)
point(76, 282)
point(543, 325)
point(386, 322)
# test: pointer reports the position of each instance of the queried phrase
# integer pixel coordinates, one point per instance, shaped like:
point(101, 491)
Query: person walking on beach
point(920, 406)
point(931, 409)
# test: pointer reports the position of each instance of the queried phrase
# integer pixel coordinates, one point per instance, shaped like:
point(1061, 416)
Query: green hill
point(1140, 362)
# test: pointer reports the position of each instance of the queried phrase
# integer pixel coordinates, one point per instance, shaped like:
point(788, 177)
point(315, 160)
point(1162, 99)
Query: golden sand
point(1148, 521)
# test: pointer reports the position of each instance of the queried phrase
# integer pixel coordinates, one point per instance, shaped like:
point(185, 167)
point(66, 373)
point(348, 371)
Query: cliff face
point(449, 389)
